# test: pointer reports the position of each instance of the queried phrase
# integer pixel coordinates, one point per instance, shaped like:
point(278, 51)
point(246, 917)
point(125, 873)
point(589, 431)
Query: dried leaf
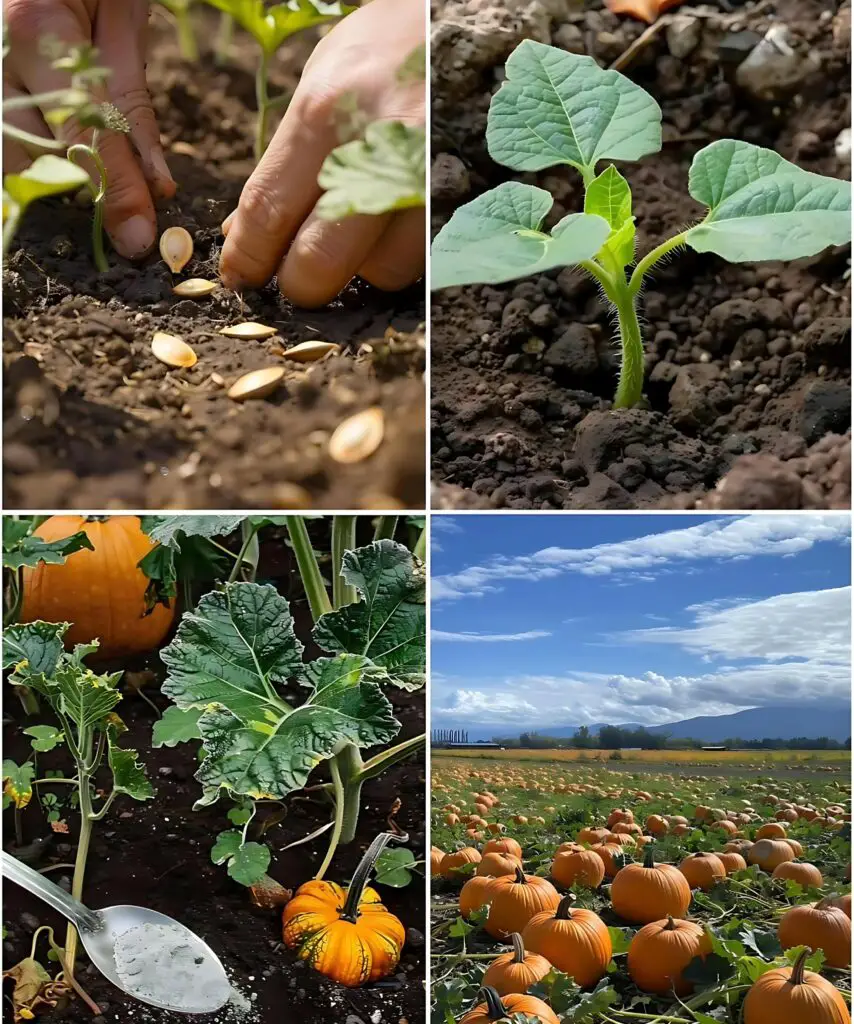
point(34, 990)
point(59, 826)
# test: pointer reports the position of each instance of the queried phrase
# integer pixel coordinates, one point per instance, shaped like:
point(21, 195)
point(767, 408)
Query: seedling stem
point(75, 154)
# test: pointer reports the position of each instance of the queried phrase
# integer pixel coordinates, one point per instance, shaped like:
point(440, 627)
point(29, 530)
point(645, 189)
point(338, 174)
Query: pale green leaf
point(268, 760)
point(609, 196)
point(226, 845)
point(249, 864)
point(761, 207)
point(169, 530)
point(394, 868)
point(86, 698)
point(231, 650)
point(557, 107)
point(47, 176)
point(44, 737)
point(176, 726)
point(272, 24)
point(497, 237)
point(385, 171)
point(129, 773)
point(388, 623)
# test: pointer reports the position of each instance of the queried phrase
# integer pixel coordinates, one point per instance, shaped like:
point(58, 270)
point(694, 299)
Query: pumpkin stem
point(520, 876)
point(518, 948)
point(671, 924)
point(797, 977)
point(360, 875)
point(564, 908)
point(648, 858)
point(494, 1007)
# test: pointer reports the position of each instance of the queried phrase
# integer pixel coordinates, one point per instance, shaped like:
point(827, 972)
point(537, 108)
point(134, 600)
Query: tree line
point(614, 737)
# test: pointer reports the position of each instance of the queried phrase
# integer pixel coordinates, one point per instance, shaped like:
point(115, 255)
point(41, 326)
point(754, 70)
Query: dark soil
point(93, 420)
point(157, 854)
point(748, 366)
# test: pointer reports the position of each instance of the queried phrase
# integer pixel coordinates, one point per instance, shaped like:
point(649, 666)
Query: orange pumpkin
point(436, 856)
point(516, 971)
point(770, 853)
point(575, 941)
point(844, 904)
point(452, 863)
point(100, 592)
point(617, 816)
point(514, 901)
point(475, 894)
point(506, 846)
point(794, 996)
point(732, 861)
point(496, 1007)
point(799, 871)
point(496, 864)
point(656, 825)
point(820, 925)
point(578, 865)
point(642, 893)
point(797, 849)
point(773, 830)
point(347, 935)
point(612, 857)
point(593, 835)
point(660, 952)
point(703, 870)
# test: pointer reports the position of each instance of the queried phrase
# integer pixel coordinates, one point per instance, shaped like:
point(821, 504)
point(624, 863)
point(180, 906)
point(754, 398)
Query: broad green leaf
point(269, 759)
point(170, 530)
point(240, 814)
point(226, 845)
point(14, 530)
point(388, 624)
point(272, 25)
point(129, 773)
point(385, 171)
point(47, 176)
point(34, 648)
point(176, 726)
point(33, 550)
point(17, 782)
point(394, 868)
point(557, 107)
point(761, 207)
point(86, 698)
point(232, 650)
point(249, 864)
point(497, 237)
point(610, 197)
point(44, 737)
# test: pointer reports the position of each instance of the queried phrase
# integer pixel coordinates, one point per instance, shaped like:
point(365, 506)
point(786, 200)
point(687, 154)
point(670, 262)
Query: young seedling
point(270, 26)
point(84, 703)
point(561, 108)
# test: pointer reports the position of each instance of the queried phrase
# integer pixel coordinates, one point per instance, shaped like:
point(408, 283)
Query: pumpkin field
point(220, 719)
point(569, 892)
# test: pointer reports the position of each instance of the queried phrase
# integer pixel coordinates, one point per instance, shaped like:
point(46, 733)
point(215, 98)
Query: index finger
point(280, 192)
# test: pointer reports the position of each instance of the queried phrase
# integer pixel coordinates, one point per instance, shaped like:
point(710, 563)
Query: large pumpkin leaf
point(86, 698)
point(388, 623)
point(34, 648)
point(232, 651)
point(271, 755)
point(557, 107)
point(761, 207)
point(169, 530)
point(176, 726)
point(21, 547)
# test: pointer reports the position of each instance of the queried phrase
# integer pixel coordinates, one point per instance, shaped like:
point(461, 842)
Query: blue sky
point(571, 619)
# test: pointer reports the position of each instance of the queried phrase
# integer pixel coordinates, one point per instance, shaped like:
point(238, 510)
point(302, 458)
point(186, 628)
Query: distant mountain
point(778, 722)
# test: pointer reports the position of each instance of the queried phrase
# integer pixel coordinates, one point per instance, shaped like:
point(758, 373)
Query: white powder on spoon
point(169, 965)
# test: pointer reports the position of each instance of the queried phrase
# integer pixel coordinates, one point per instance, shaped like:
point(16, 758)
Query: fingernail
point(133, 237)
point(226, 224)
point(161, 173)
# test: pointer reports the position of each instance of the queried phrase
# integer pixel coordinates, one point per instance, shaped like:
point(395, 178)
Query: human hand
point(136, 168)
point(275, 228)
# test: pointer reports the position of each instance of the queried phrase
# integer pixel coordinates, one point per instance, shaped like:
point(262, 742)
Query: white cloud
point(722, 538)
point(477, 706)
point(487, 638)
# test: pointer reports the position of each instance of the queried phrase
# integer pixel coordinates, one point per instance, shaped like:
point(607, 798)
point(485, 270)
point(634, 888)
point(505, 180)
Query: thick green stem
point(384, 760)
point(338, 825)
point(262, 98)
point(86, 822)
point(349, 764)
point(420, 549)
point(248, 550)
point(385, 527)
point(312, 581)
point(343, 539)
point(630, 387)
point(10, 226)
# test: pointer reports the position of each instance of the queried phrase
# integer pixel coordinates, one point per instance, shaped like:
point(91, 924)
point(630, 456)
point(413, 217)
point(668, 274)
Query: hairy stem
point(651, 258)
point(99, 193)
point(263, 100)
point(343, 539)
point(630, 387)
point(315, 591)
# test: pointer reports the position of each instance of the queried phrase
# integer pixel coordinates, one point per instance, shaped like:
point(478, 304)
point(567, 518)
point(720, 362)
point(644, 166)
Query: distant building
point(715, 749)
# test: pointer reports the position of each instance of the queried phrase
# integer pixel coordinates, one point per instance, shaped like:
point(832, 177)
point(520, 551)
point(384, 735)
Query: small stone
point(735, 46)
point(683, 35)
point(826, 410)
point(29, 921)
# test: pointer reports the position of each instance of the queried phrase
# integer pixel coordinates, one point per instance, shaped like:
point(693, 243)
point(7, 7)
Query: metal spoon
point(100, 929)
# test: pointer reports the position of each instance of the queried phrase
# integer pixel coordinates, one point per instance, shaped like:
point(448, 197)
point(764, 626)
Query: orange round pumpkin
point(660, 952)
point(515, 899)
point(100, 592)
point(453, 862)
point(496, 864)
point(436, 856)
point(844, 904)
point(575, 941)
point(794, 996)
point(593, 835)
point(656, 825)
point(506, 846)
point(703, 870)
point(642, 893)
point(516, 971)
point(612, 857)
point(496, 1007)
point(799, 871)
point(578, 865)
point(773, 830)
point(474, 894)
point(770, 853)
point(820, 925)
point(732, 861)
point(797, 848)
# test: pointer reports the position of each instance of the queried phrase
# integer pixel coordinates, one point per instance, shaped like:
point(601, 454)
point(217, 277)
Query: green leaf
point(240, 813)
point(226, 845)
point(231, 650)
point(129, 773)
point(497, 237)
point(394, 868)
point(44, 737)
point(249, 864)
point(272, 25)
point(709, 971)
point(86, 698)
point(610, 197)
point(388, 624)
point(23, 548)
point(761, 207)
point(34, 648)
point(17, 782)
point(385, 171)
point(171, 530)
point(557, 107)
point(47, 176)
point(178, 725)
point(269, 759)
point(620, 940)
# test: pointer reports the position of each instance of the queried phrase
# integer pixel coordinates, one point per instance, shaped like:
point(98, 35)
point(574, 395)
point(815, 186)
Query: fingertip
point(159, 176)
point(133, 238)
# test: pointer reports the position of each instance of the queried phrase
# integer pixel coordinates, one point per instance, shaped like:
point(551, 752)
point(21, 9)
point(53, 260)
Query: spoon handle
point(81, 917)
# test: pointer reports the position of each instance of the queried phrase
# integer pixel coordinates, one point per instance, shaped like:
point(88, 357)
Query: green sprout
point(561, 108)
point(270, 27)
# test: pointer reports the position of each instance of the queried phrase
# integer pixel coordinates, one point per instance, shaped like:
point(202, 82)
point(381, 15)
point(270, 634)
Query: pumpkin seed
point(358, 437)
point(257, 384)
point(249, 330)
point(194, 288)
point(176, 248)
point(309, 351)
point(172, 351)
